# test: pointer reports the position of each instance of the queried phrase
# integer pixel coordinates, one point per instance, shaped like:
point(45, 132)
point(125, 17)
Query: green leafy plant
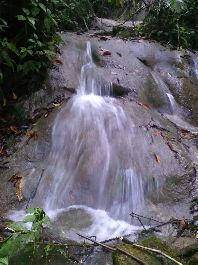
point(25, 246)
point(173, 22)
point(28, 42)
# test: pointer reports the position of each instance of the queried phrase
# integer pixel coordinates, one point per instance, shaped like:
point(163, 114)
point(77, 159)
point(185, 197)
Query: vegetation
point(28, 38)
point(174, 22)
point(25, 246)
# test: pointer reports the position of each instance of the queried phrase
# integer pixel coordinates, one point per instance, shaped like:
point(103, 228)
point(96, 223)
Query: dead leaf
point(19, 189)
point(32, 134)
point(57, 61)
point(157, 133)
point(183, 224)
point(14, 129)
point(105, 38)
point(183, 130)
point(4, 151)
point(105, 52)
point(146, 106)
point(157, 158)
point(56, 104)
point(14, 96)
point(18, 182)
point(119, 54)
point(4, 102)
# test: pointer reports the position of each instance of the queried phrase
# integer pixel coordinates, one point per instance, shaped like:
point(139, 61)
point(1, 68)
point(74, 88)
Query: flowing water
point(92, 183)
point(89, 170)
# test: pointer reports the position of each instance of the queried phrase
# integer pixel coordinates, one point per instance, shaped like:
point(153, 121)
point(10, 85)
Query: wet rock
point(142, 77)
point(147, 257)
point(194, 259)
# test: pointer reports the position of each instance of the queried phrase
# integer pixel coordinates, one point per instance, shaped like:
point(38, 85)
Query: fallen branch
point(113, 249)
point(158, 252)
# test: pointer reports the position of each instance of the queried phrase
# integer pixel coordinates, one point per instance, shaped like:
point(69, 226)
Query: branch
point(114, 249)
point(158, 252)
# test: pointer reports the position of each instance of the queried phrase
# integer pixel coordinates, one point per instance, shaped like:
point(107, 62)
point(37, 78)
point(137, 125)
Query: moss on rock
point(148, 257)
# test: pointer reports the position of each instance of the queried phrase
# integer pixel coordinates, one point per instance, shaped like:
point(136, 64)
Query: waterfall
point(90, 165)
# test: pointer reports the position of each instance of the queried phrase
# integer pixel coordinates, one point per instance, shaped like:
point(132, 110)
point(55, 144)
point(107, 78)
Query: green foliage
point(27, 40)
point(74, 14)
point(174, 22)
point(25, 246)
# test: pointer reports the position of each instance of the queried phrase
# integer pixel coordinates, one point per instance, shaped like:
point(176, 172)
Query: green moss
point(121, 259)
point(123, 32)
point(148, 257)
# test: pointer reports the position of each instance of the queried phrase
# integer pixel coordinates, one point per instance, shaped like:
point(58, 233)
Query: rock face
point(159, 92)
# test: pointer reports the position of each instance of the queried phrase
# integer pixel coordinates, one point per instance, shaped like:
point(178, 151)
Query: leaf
point(157, 158)
point(4, 261)
point(15, 243)
point(4, 102)
point(58, 61)
point(32, 21)
point(18, 227)
point(14, 96)
point(30, 210)
point(19, 189)
point(29, 218)
point(21, 17)
point(146, 106)
point(157, 133)
point(56, 104)
point(32, 134)
point(14, 129)
point(105, 52)
point(42, 6)
point(18, 183)
point(26, 11)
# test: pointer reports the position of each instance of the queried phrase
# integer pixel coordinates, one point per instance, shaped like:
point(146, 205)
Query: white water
point(90, 163)
point(177, 116)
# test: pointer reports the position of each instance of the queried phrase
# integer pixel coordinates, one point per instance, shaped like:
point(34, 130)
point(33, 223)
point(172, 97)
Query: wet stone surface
point(147, 71)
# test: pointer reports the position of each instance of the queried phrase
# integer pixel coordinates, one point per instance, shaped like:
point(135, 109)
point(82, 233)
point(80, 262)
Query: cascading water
point(90, 168)
point(177, 115)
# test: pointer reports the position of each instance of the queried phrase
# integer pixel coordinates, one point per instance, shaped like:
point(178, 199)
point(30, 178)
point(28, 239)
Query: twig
point(148, 218)
point(158, 252)
point(97, 243)
point(113, 249)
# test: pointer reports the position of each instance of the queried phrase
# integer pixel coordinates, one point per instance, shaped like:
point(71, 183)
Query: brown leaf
point(157, 158)
point(14, 96)
point(14, 129)
point(105, 52)
point(105, 38)
point(57, 61)
point(119, 54)
point(183, 224)
point(19, 189)
point(18, 182)
point(4, 151)
point(56, 104)
point(183, 130)
point(32, 134)
point(157, 133)
point(146, 106)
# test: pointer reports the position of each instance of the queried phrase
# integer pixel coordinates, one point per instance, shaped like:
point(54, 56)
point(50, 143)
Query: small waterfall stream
point(89, 167)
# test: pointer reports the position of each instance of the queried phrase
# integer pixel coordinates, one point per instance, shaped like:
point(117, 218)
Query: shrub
point(173, 22)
